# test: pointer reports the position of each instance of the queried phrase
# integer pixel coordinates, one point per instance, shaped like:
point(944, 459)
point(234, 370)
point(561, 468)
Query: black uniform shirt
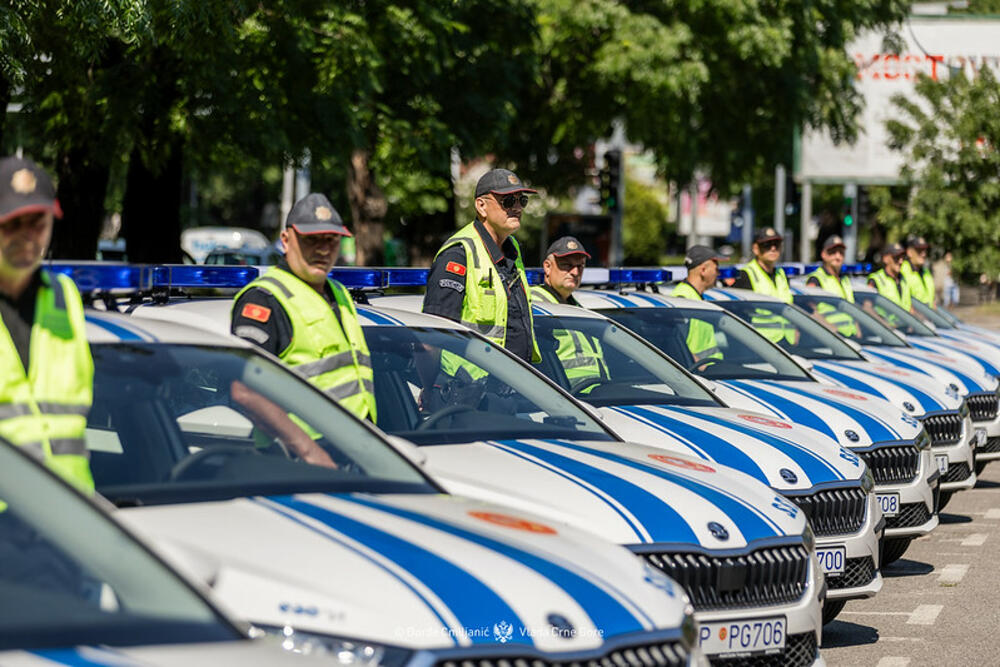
point(259, 318)
point(558, 297)
point(18, 315)
point(446, 289)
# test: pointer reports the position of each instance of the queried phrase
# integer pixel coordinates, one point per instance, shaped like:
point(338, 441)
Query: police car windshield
point(603, 364)
point(737, 351)
point(868, 329)
point(932, 315)
point(439, 386)
point(73, 577)
point(810, 339)
point(892, 314)
point(186, 423)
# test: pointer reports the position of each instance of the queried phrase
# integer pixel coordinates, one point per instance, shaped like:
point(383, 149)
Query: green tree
point(645, 219)
point(951, 136)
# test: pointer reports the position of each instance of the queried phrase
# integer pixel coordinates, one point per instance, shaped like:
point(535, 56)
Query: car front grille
point(944, 428)
point(760, 578)
point(957, 472)
point(857, 572)
point(834, 511)
point(658, 654)
point(992, 445)
point(983, 406)
point(800, 650)
point(893, 464)
point(910, 515)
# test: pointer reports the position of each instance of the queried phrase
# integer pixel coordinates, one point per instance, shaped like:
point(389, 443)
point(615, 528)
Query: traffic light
point(849, 211)
point(848, 215)
point(611, 179)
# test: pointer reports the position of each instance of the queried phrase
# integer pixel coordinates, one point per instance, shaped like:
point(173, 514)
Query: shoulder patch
point(451, 284)
point(252, 311)
point(455, 267)
point(258, 336)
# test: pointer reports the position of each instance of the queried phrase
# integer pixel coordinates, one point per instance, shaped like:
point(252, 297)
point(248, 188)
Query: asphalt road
point(940, 604)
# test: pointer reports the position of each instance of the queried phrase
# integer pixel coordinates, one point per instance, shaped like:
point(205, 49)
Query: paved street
point(941, 602)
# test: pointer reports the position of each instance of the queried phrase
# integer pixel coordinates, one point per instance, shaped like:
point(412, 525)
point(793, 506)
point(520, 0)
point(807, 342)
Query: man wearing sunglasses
point(762, 275)
point(889, 280)
point(915, 271)
point(477, 277)
point(828, 276)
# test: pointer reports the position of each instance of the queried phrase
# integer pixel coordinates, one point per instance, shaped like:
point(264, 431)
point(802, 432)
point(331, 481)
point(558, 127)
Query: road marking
point(893, 661)
point(993, 513)
point(901, 639)
point(952, 574)
point(925, 614)
point(877, 613)
point(974, 540)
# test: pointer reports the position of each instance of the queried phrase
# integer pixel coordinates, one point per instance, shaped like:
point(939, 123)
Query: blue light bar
point(201, 275)
point(357, 278)
point(728, 271)
point(407, 277)
point(90, 276)
point(535, 276)
point(631, 276)
point(858, 269)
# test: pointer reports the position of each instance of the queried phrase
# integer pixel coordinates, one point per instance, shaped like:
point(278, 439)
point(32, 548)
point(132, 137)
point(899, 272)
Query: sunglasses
point(508, 201)
point(770, 245)
point(834, 251)
point(569, 266)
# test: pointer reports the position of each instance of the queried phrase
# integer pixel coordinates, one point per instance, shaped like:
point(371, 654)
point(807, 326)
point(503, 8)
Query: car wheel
point(944, 499)
point(831, 608)
point(893, 549)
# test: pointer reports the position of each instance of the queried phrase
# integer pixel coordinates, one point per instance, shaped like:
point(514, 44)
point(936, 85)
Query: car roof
point(107, 327)
point(728, 294)
point(606, 299)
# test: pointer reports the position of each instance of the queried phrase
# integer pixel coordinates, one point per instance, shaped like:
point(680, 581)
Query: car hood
point(852, 418)
point(987, 356)
point(908, 390)
point(223, 654)
point(420, 571)
point(623, 492)
point(779, 453)
point(957, 372)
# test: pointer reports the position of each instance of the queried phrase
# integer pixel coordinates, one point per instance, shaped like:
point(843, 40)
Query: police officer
point(702, 264)
point(581, 357)
point(477, 277)
point(563, 265)
point(889, 280)
point(828, 277)
point(762, 275)
point(296, 312)
point(46, 371)
point(915, 271)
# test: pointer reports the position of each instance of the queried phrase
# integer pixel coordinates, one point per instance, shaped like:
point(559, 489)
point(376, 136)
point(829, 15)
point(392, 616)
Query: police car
point(497, 431)
point(960, 375)
point(78, 589)
point(194, 436)
point(753, 374)
point(646, 398)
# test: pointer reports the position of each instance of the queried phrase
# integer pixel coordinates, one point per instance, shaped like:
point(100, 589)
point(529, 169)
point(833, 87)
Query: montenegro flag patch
point(252, 311)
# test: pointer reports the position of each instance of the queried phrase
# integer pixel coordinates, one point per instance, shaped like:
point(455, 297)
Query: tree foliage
point(951, 136)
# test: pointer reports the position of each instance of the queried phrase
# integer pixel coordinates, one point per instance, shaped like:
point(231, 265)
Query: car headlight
point(809, 538)
point(348, 652)
point(868, 481)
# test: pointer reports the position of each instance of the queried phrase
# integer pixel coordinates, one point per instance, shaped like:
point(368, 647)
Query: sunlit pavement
point(941, 602)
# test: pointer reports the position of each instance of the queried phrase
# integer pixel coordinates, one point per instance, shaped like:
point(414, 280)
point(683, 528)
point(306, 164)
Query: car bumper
point(804, 620)
point(917, 513)
point(961, 472)
point(991, 450)
point(862, 576)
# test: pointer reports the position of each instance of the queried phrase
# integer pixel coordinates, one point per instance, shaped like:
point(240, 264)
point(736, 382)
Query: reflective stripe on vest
point(328, 350)
point(542, 294)
point(772, 326)
point(898, 293)
point(843, 322)
point(484, 306)
point(701, 339)
point(921, 283)
point(44, 409)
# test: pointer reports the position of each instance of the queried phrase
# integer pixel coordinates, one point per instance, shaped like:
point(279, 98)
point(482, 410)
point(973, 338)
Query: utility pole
point(748, 221)
point(779, 199)
point(850, 222)
point(805, 238)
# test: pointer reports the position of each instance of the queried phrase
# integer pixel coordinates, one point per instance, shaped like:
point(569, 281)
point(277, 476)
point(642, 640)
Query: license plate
point(942, 461)
point(889, 502)
point(980, 437)
point(831, 560)
point(760, 635)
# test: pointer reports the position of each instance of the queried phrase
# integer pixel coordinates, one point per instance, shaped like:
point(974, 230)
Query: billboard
point(933, 45)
